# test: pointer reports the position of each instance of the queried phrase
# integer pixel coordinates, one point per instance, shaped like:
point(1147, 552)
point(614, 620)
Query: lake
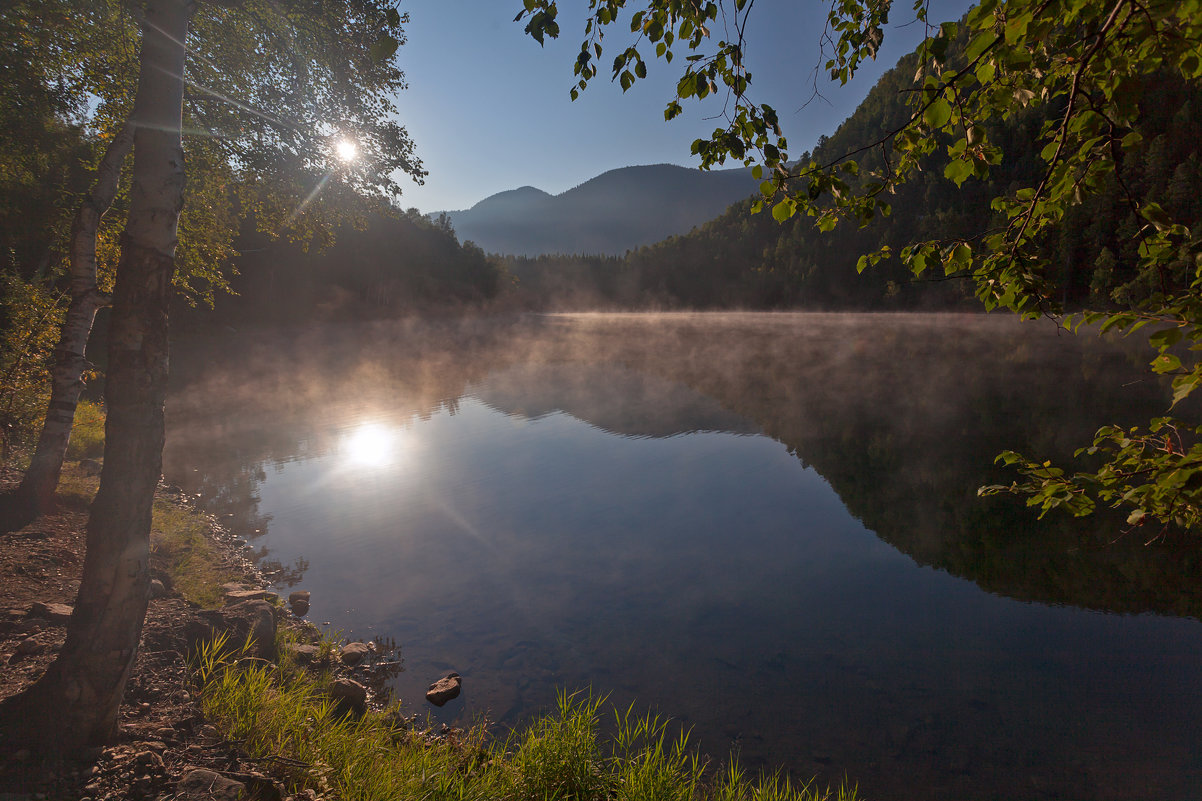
point(763, 526)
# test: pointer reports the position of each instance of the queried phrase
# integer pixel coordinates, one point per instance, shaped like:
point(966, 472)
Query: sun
point(346, 150)
point(370, 445)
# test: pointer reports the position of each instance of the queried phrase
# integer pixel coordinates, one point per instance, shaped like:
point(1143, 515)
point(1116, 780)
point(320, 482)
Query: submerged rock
point(444, 689)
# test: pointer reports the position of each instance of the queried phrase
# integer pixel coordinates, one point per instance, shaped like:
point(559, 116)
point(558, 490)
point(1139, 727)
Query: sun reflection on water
point(371, 445)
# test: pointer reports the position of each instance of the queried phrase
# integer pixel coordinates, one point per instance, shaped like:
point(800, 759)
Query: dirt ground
point(162, 733)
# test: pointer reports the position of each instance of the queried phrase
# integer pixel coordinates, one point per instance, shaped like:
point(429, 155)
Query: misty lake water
point(764, 526)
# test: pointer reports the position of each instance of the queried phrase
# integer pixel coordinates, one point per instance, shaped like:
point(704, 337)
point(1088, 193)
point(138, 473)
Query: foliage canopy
point(1085, 67)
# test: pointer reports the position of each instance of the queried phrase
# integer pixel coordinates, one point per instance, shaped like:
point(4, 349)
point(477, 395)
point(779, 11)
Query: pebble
point(30, 647)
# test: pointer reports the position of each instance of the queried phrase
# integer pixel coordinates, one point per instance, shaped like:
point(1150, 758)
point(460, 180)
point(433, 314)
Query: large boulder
point(255, 619)
point(444, 689)
point(207, 785)
point(349, 697)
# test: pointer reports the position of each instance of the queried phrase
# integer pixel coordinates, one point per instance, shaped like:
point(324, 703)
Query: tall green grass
point(282, 713)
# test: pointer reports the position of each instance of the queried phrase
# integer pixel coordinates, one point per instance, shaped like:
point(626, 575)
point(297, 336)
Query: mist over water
point(762, 525)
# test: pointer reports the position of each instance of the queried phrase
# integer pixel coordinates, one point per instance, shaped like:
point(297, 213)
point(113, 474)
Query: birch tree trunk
point(41, 479)
point(74, 705)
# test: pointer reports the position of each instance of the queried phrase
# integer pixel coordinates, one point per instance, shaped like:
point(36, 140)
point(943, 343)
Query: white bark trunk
point(41, 479)
point(75, 704)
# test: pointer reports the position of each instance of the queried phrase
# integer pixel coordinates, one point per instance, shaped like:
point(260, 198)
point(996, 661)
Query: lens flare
point(346, 150)
point(370, 445)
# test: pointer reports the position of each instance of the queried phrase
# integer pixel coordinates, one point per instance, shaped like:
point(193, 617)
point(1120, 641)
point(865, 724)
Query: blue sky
point(489, 109)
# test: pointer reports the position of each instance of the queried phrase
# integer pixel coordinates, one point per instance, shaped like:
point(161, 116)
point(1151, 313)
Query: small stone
point(157, 589)
point(90, 467)
point(303, 654)
point(354, 652)
point(238, 596)
point(150, 759)
point(444, 689)
point(55, 613)
point(30, 647)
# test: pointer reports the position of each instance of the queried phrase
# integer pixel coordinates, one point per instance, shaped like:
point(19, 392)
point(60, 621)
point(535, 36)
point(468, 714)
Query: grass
point(87, 432)
point(281, 713)
point(178, 540)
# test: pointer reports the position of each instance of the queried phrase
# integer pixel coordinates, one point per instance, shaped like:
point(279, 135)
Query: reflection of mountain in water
point(611, 397)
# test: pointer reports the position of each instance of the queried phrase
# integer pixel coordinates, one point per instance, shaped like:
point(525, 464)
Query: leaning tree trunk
point(41, 479)
point(75, 704)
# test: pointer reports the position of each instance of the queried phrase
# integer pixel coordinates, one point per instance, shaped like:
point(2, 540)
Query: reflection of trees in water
point(280, 574)
point(903, 416)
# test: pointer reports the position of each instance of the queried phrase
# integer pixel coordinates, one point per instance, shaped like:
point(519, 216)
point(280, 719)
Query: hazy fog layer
point(765, 526)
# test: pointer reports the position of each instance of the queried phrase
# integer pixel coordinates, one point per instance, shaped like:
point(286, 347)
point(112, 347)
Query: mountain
point(610, 214)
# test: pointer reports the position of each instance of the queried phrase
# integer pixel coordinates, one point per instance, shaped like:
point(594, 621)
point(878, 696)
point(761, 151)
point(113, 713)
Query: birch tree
point(75, 703)
point(265, 92)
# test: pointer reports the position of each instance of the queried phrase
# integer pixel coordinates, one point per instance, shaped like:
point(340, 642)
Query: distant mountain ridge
point(617, 211)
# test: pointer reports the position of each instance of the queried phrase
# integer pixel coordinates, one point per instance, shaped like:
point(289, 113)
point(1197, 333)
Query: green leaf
point(958, 171)
point(937, 113)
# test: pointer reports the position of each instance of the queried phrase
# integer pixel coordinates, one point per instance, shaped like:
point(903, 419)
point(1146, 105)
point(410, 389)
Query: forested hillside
point(398, 263)
point(750, 260)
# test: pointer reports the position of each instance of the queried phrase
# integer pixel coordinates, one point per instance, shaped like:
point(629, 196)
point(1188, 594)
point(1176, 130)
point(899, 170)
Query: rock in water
point(299, 601)
point(444, 689)
point(354, 652)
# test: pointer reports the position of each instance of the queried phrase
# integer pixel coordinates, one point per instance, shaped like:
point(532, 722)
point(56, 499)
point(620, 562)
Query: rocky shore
point(165, 748)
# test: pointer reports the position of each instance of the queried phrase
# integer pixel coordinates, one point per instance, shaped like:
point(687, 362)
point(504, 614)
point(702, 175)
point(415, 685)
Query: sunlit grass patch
point(76, 489)
point(178, 538)
point(283, 713)
point(87, 433)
